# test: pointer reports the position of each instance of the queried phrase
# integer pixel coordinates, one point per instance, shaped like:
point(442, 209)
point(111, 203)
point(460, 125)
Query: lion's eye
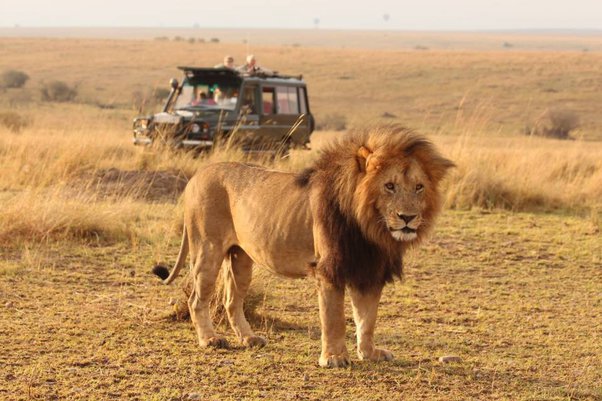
point(419, 188)
point(390, 186)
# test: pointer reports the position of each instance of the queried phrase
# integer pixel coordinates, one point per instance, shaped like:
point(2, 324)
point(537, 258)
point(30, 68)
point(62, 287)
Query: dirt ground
point(518, 297)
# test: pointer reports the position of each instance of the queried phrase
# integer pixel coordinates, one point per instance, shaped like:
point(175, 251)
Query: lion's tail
point(163, 272)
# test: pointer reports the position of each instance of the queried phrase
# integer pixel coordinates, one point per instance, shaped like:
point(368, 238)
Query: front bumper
point(192, 143)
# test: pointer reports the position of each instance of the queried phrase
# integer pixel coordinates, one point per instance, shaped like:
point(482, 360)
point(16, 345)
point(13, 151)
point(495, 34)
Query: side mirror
point(173, 83)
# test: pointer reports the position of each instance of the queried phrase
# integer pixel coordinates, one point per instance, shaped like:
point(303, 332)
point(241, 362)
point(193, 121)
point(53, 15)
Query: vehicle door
point(284, 114)
point(245, 128)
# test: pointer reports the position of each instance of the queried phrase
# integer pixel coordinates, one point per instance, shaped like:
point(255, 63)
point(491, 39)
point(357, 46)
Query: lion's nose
point(406, 218)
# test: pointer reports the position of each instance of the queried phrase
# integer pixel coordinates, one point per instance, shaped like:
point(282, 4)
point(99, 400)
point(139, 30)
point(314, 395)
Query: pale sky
point(332, 14)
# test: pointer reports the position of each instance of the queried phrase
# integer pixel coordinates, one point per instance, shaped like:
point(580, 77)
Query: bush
point(58, 91)
point(214, 40)
point(13, 79)
point(558, 124)
point(331, 122)
point(13, 121)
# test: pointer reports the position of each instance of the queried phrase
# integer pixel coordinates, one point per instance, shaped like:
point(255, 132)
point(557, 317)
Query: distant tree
point(13, 79)
point(58, 91)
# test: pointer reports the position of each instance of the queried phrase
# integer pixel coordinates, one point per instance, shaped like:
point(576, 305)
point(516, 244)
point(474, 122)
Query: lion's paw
point(214, 342)
point(334, 361)
point(377, 355)
point(254, 341)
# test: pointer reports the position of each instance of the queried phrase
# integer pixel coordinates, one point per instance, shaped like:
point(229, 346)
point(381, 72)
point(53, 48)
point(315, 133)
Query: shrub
point(58, 91)
point(13, 121)
point(562, 122)
point(13, 79)
point(214, 40)
point(557, 124)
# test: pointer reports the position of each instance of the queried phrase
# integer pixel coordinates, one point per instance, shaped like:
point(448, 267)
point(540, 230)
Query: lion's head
point(387, 179)
point(376, 192)
point(397, 193)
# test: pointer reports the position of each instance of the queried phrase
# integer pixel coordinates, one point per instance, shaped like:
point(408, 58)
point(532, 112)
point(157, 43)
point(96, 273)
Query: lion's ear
point(439, 166)
point(366, 161)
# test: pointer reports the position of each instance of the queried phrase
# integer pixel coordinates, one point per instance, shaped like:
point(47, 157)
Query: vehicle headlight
point(195, 128)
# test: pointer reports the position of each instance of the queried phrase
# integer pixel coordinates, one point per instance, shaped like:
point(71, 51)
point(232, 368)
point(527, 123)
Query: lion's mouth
point(405, 230)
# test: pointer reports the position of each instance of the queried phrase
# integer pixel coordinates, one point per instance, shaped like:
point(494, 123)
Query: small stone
point(226, 362)
point(195, 396)
point(173, 301)
point(8, 305)
point(450, 359)
point(306, 378)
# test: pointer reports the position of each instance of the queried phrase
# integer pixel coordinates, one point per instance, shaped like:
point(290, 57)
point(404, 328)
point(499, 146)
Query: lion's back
point(263, 211)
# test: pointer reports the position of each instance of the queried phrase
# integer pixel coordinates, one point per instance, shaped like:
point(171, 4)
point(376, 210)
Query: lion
point(346, 221)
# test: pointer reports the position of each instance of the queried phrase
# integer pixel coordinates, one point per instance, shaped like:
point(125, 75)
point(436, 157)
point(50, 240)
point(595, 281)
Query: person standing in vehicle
point(228, 63)
point(250, 66)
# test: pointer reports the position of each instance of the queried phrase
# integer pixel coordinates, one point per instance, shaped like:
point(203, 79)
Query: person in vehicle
point(203, 99)
point(228, 63)
point(250, 66)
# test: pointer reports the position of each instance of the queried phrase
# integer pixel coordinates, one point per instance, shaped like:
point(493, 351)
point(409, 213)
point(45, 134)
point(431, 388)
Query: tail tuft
point(161, 271)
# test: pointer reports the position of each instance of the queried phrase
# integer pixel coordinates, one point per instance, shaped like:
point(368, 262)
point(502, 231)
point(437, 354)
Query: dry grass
point(97, 173)
point(509, 90)
point(85, 214)
point(507, 292)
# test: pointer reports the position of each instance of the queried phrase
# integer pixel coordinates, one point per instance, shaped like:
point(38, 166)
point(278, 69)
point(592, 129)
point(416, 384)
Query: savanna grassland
point(511, 280)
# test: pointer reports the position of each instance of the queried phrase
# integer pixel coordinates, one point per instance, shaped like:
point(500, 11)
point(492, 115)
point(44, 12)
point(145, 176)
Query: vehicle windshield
point(207, 94)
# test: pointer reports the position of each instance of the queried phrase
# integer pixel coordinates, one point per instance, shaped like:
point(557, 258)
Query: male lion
point(347, 221)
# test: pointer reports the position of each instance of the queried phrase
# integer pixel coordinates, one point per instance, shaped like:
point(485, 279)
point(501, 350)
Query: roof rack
point(270, 74)
point(228, 71)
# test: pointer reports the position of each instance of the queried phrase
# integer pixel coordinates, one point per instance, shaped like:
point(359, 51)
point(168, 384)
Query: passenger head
point(251, 60)
point(229, 62)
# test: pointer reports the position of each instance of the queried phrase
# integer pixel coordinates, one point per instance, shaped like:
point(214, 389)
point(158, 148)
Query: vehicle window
point(267, 98)
point(207, 95)
point(282, 96)
point(293, 104)
point(302, 103)
point(287, 100)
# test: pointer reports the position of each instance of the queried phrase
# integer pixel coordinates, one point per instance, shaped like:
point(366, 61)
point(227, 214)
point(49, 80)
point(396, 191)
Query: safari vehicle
point(260, 111)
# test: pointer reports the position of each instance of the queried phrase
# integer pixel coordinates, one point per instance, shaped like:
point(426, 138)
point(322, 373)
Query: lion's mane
point(365, 255)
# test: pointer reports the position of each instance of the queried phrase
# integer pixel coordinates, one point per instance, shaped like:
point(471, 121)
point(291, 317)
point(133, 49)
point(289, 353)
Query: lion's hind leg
point(207, 262)
point(237, 280)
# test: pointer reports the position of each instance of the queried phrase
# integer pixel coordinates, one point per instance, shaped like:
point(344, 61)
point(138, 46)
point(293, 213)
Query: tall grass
point(524, 174)
point(54, 182)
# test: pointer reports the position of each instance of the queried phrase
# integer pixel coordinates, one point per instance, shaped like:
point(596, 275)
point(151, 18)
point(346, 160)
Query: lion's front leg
point(332, 316)
point(365, 308)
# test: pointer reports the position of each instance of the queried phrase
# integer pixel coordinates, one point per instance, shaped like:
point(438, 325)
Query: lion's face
point(401, 200)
